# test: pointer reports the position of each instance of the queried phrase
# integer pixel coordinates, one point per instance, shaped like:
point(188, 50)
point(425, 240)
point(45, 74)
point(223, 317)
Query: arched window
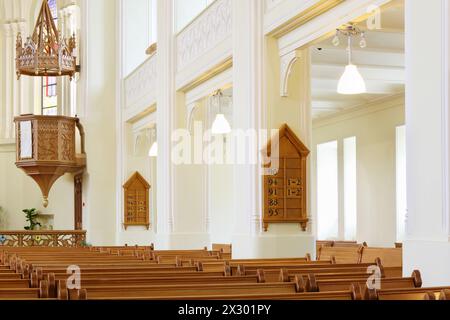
point(49, 100)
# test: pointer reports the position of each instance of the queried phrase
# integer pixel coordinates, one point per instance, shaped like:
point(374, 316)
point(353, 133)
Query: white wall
point(186, 11)
point(18, 192)
point(375, 131)
point(137, 32)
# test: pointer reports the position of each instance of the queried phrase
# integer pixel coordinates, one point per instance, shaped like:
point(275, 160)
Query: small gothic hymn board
point(285, 185)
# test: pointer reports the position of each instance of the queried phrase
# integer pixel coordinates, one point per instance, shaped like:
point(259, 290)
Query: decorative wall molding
point(321, 24)
point(287, 62)
point(281, 16)
point(206, 31)
point(204, 48)
point(140, 88)
point(270, 4)
point(362, 110)
point(191, 108)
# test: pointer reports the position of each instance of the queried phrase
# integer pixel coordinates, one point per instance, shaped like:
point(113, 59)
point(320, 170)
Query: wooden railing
point(43, 238)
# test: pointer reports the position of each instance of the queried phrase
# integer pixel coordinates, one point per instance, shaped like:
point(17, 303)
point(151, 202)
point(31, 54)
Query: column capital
point(7, 29)
point(18, 26)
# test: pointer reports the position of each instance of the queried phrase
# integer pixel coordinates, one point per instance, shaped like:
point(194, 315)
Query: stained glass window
point(49, 103)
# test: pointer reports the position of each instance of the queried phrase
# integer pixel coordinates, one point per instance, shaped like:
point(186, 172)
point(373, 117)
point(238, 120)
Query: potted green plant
point(31, 215)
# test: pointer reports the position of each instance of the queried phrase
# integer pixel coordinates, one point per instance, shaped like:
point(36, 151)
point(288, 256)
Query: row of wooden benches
point(42, 273)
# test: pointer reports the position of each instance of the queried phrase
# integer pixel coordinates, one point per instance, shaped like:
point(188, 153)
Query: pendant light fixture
point(153, 153)
point(351, 82)
point(220, 124)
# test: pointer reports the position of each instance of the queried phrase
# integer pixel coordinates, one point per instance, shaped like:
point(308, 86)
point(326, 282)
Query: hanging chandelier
point(46, 52)
point(351, 81)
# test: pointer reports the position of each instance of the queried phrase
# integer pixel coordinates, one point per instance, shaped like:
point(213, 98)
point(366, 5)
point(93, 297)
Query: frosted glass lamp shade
point(153, 150)
point(221, 125)
point(351, 81)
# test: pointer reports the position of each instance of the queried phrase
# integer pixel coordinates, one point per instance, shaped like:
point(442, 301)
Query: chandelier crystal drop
point(46, 52)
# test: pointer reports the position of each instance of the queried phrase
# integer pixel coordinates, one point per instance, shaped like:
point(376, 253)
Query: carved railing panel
point(42, 238)
point(204, 33)
point(140, 86)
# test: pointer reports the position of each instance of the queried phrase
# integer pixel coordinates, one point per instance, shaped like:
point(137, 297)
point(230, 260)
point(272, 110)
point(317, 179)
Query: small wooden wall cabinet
point(136, 211)
point(285, 180)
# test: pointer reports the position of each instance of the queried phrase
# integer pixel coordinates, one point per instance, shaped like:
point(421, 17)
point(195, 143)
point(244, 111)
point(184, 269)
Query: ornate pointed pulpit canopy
point(46, 53)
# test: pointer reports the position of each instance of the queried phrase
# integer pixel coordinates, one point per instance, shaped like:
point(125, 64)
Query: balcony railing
point(43, 238)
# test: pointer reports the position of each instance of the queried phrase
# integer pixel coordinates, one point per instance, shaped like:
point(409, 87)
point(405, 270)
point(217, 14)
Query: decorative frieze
point(204, 33)
point(140, 86)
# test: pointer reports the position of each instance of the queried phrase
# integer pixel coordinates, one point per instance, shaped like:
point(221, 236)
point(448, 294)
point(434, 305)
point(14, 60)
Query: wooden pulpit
point(46, 150)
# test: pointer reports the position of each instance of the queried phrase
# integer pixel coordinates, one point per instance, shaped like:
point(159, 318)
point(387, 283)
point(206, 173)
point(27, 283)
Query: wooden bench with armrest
point(98, 292)
point(93, 273)
point(308, 296)
point(347, 254)
point(100, 280)
point(432, 293)
point(391, 257)
point(302, 268)
point(218, 265)
point(316, 284)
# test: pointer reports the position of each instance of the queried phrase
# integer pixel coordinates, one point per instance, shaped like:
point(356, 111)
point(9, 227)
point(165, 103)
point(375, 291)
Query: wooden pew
point(94, 272)
point(392, 259)
point(309, 296)
point(445, 294)
point(225, 250)
point(351, 254)
point(331, 272)
point(109, 280)
point(119, 292)
point(405, 294)
point(315, 284)
point(302, 269)
point(219, 265)
point(14, 283)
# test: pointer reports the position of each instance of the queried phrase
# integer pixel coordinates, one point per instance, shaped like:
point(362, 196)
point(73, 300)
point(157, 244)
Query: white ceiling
point(381, 63)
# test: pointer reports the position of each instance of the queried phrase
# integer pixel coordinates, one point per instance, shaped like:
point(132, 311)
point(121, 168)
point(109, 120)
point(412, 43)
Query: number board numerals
point(273, 202)
point(273, 182)
point(294, 182)
point(274, 192)
point(294, 193)
point(273, 213)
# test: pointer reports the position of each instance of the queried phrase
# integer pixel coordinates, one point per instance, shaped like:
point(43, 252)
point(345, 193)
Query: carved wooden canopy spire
point(46, 53)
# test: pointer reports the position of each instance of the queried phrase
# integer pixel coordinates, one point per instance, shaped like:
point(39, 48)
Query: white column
point(427, 247)
point(165, 109)
point(64, 90)
point(249, 240)
point(247, 106)
point(15, 93)
point(9, 81)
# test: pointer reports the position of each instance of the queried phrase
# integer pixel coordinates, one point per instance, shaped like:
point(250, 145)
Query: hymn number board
point(137, 191)
point(285, 182)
